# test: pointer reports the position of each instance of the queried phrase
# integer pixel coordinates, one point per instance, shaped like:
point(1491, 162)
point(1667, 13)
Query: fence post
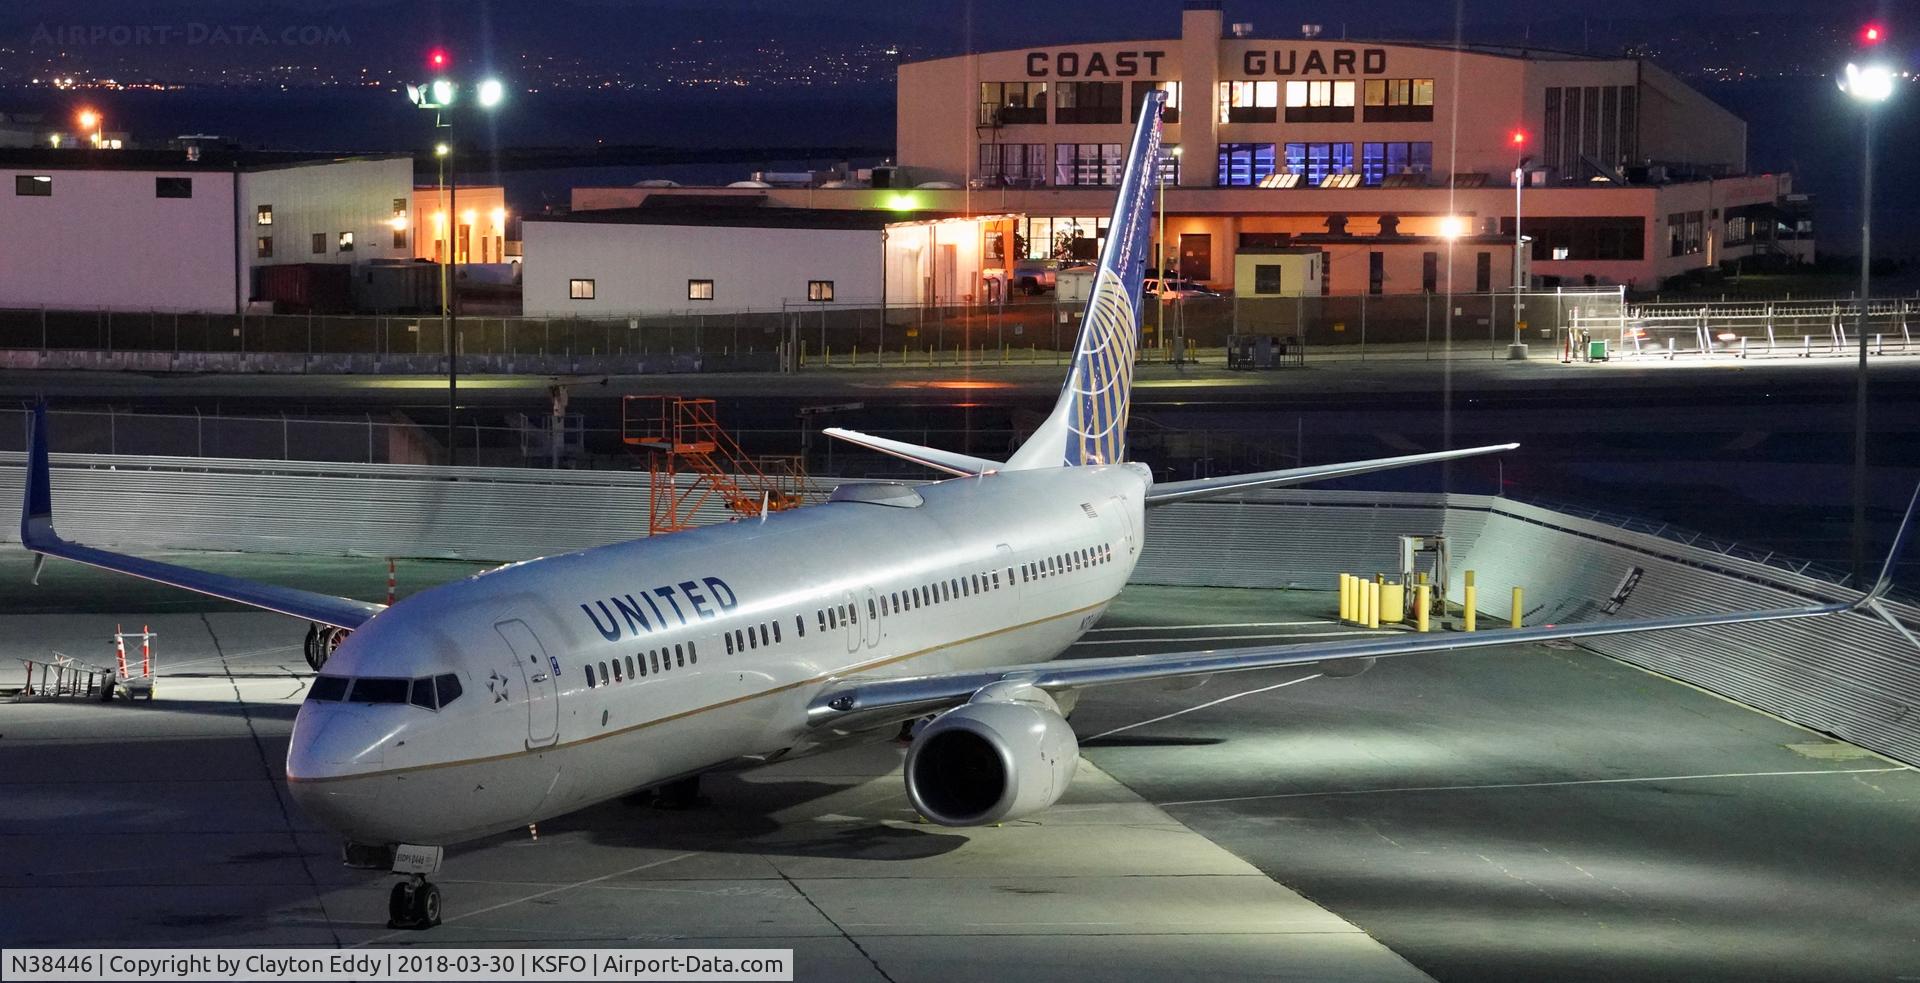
point(43, 329)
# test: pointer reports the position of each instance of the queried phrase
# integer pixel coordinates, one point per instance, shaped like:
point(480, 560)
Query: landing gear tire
point(413, 904)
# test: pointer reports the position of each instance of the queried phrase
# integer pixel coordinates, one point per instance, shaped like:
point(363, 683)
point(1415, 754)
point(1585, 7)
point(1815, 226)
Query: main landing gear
point(680, 795)
point(415, 902)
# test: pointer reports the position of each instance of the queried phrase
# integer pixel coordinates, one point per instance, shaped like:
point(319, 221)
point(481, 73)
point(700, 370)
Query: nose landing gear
point(414, 903)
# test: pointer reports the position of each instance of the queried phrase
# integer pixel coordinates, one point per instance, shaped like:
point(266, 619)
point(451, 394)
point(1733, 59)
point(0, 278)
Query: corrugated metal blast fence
point(1849, 676)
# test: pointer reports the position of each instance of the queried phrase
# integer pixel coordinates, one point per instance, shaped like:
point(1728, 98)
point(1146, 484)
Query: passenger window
point(822, 616)
point(630, 672)
point(799, 626)
point(653, 657)
point(833, 618)
point(641, 659)
point(871, 613)
point(680, 655)
point(606, 675)
point(763, 634)
point(853, 614)
point(617, 677)
point(729, 638)
point(776, 631)
point(423, 694)
point(590, 683)
point(693, 654)
point(752, 642)
point(328, 689)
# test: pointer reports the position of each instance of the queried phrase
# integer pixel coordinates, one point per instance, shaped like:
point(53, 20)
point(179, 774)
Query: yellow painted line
point(826, 677)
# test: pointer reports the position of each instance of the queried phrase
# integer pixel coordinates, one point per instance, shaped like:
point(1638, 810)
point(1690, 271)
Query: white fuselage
point(563, 698)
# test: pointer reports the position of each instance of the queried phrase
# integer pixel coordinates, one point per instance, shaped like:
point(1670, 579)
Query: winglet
point(36, 508)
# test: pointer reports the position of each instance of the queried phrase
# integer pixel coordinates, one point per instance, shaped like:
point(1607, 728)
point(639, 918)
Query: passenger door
point(537, 672)
point(852, 625)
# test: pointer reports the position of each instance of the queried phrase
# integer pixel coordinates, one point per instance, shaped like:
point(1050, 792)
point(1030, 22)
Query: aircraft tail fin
point(1088, 424)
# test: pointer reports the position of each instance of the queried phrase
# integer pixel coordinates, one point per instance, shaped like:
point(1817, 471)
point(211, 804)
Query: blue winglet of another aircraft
point(37, 534)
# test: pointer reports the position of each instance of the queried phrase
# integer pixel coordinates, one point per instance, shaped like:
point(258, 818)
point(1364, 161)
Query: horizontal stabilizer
point(932, 457)
point(1180, 491)
point(37, 534)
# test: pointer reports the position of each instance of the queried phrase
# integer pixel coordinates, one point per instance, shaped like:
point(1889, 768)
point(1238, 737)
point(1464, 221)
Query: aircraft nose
point(330, 741)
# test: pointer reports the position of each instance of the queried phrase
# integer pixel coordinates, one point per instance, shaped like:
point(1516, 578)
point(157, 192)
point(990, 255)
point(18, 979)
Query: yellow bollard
point(1519, 611)
point(1346, 597)
point(1422, 600)
point(1373, 604)
point(1393, 603)
point(1467, 604)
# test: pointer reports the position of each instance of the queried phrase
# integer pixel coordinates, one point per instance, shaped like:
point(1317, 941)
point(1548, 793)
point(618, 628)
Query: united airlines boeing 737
point(542, 687)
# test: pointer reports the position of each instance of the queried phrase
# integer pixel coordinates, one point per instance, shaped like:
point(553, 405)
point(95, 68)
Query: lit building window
point(1249, 102)
point(699, 289)
point(1399, 101)
point(263, 247)
point(1318, 160)
point(821, 290)
point(1243, 165)
point(346, 242)
point(1377, 160)
point(1320, 102)
point(33, 185)
point(263, 215)
point(580, 289)
point(1009, 103)
point(1086, 164)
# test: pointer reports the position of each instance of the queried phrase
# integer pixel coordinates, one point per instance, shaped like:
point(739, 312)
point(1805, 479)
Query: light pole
point(1870, 86)
point(439, 96)
point(90, 120)
point(1160, 310)
point(1518, 350)
point(1451, 228)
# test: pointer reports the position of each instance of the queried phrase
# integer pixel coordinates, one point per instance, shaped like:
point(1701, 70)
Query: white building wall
point(103, 240)
point(644, 269)
point(337, 196)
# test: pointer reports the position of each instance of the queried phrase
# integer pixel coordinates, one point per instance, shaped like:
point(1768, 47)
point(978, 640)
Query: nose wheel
point(414, 904)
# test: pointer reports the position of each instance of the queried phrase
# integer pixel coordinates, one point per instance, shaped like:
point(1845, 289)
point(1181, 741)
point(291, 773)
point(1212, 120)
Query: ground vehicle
point(1170, 290)
point(1035, 276)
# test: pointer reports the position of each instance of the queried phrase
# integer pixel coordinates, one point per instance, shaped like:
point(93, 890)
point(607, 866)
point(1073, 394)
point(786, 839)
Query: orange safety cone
point(146, 651)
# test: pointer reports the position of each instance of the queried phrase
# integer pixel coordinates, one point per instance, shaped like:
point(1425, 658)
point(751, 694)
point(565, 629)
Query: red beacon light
point(437, 58)
point(1519, 137)
point(1873, 34)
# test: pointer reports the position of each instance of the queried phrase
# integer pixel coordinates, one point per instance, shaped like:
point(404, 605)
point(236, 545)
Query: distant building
point(1360, 148)
point(733, 256)
point(481, 230)
point(188, 231)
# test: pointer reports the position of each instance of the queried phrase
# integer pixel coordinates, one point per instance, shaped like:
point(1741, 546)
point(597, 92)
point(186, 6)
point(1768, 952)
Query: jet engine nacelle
point(1007, 753)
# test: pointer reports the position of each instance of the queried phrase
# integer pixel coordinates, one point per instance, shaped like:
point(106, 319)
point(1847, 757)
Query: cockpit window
point(374, 689)
point(449, 686)
point(423, 694)
point(329, 689)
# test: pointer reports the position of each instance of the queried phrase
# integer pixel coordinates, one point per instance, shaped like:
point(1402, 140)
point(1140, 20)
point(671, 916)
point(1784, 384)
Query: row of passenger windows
point(754, 636)
point(768, 633)
point(1071, 560)
point(649, 663)
point(426, 692)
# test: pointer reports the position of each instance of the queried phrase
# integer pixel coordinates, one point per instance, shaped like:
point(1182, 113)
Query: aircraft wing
point(1179, 491)
point(858, 703)
point(963, 465)
point(37, 534)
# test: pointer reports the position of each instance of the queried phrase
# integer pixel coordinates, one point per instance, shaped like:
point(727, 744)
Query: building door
point(537, 672)
point(1196, 257)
